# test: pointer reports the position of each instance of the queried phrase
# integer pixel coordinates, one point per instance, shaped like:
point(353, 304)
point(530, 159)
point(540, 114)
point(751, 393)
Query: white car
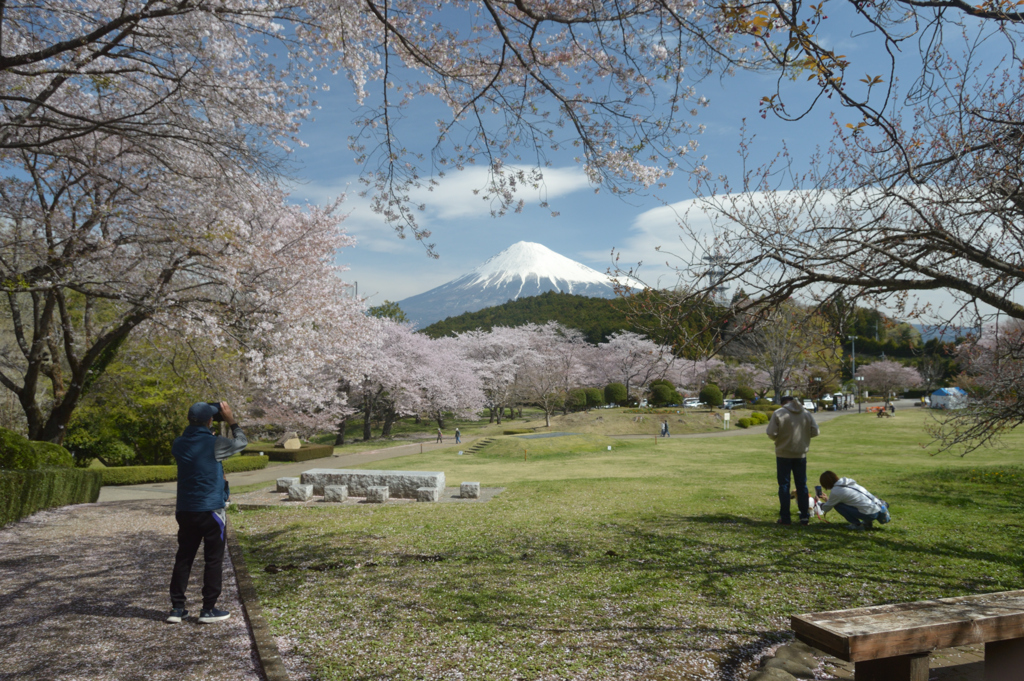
point(809, 405)
point(733, 403)
point(693, 402)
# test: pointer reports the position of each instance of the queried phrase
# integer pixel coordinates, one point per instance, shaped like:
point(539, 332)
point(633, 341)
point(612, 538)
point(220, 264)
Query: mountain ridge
point(522, 270)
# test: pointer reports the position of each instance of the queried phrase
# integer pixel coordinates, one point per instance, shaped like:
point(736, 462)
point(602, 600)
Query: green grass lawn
point(654, 562)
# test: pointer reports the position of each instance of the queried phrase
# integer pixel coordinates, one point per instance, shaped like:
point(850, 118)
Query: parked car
point(732, 403)
point(810, 406)
point(693, 402)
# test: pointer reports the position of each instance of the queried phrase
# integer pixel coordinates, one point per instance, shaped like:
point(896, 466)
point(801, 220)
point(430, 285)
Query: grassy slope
point(643, 560)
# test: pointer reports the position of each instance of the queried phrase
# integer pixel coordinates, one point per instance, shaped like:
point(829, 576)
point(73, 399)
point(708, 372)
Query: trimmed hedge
point(744, 422)
point(19, 453)
point(304, 453)
point(137, 475)
point(23, 492)
point(758, 418)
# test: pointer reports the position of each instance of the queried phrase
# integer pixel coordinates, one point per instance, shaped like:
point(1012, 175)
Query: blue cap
point(200, 413)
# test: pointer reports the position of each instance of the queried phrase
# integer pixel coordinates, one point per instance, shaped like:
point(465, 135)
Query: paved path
point(83, 596)
point(167, 490)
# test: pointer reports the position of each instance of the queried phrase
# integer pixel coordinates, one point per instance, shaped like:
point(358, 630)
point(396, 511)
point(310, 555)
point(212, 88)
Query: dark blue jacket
point(201, 484)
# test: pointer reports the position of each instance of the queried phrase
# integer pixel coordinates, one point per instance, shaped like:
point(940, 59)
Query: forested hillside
point(598, 318)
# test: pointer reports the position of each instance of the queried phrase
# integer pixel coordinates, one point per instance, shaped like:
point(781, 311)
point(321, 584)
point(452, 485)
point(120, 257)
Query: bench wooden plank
point(912, 628)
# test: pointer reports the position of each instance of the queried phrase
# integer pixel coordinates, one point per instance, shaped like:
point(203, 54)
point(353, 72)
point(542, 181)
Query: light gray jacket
point(791, 428)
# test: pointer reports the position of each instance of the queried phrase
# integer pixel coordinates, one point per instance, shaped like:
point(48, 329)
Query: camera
point(218, 416)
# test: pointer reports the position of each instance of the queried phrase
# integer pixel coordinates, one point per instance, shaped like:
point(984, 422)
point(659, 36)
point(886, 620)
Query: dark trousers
point(798, 467)
point(193, 528)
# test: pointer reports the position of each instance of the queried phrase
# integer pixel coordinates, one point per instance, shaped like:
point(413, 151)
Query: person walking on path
point(440, 435)
point(664, 428)
point(201, 499)
point(858, 506)
point(458, 437)
point(791, 429)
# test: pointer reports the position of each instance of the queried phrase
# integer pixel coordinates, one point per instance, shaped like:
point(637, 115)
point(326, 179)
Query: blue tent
point(949, 398)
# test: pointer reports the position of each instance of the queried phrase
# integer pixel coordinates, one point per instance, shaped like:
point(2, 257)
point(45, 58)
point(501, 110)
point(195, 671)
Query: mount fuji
point(521, 270)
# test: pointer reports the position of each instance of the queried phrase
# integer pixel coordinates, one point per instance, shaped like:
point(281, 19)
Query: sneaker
point(805, 521)
point(213, 615)
point(176, 615)
point(780, 521)
point(851, 526)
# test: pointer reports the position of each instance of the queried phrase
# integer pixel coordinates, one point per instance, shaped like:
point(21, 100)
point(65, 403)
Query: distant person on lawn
point(458, 437)
point(664, 428)
point(859, 506)
point(440, 435)
point(202, 497)
point(791, 428)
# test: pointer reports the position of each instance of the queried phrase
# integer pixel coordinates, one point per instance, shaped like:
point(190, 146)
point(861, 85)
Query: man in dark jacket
point(202, 498)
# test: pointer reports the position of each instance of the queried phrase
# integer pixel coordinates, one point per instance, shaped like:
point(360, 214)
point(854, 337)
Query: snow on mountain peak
point(525, 261)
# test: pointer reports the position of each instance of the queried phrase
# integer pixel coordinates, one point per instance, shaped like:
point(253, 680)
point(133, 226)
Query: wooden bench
point(892, 642)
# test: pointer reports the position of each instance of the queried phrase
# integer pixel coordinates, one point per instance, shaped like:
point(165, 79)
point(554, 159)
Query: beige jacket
point(791, 428)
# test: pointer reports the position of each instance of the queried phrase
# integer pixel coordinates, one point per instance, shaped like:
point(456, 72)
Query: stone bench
point(400, 484)
point(893, 642)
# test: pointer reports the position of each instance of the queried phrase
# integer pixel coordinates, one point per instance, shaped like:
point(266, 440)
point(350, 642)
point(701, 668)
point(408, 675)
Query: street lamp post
point(853, 355)
point(856, 384)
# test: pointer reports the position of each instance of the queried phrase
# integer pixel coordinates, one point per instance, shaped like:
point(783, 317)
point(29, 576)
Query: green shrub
point(23, 492)
point(595, 398)
point(758, 418)
point(744, 422)
point(662, 394)
point(19, 453)
point(15, 451)
point(50, 455)
point(137, 475)
point(711, 395)
point(746, 394)
point(518, 431)
point(304, 453)
point(615, 393)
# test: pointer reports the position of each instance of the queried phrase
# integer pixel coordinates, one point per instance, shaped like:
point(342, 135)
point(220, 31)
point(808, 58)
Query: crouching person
point(860, 507)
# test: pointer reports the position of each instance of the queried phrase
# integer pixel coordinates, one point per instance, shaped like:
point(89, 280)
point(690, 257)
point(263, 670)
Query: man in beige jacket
point(791, 428)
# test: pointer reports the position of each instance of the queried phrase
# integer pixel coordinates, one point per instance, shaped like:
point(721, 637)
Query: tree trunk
point(501, 412)
point(491, 419)
point(440, 420)
point(339, 437)
point(547, 418)
point(390, 416)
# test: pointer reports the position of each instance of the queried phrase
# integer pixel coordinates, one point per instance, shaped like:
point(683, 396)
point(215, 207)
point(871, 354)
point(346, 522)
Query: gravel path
point(83, 596)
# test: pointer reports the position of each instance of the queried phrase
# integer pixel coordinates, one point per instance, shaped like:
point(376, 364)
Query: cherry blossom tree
point(888, 376)
point(993, 366)
point(86, 260)
point(498, 356)
point(633, 360)
point(549, 362)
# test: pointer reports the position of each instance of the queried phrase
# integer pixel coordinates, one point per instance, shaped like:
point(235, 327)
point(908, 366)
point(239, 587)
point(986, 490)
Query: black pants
point(193, 528)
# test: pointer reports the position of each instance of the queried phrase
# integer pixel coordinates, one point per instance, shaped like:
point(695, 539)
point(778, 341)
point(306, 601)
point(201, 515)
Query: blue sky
point(589, 224)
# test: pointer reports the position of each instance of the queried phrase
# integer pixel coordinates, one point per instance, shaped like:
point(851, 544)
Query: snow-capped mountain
point(521, 270)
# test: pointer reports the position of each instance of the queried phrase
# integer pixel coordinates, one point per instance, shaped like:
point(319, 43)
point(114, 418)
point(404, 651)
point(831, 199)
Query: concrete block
point(377, 495)
point(300, 492)
point(469, 490)
point(427, 494)
point(337, 493)
point(400, 484)
point(284, 483)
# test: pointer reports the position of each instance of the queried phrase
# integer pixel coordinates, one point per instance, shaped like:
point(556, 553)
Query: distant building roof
point(950, 392)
